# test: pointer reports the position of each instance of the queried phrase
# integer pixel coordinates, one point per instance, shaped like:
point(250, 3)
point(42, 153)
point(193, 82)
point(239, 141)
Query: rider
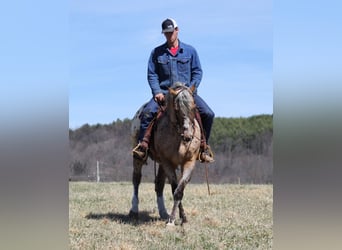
point(173, 61)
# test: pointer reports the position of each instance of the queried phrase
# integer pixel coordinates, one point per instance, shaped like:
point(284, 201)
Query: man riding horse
point(173, 61)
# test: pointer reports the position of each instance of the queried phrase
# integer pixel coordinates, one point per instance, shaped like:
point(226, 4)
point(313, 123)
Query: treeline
point(243, 149)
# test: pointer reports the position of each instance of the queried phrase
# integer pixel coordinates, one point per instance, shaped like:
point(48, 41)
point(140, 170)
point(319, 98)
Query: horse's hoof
point(170, 222)
point(164, 216)
point(133, 215)
point(184, 220)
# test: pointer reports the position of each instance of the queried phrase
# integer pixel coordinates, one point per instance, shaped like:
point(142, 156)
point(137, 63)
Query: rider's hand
point(159, 98)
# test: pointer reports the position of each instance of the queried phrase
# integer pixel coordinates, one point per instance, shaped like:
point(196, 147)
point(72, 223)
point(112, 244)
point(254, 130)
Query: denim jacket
point(164, 69)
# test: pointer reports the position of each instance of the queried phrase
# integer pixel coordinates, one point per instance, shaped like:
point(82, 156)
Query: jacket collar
point(180, 46)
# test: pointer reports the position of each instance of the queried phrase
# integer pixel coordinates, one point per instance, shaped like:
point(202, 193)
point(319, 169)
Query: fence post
point(97, 171)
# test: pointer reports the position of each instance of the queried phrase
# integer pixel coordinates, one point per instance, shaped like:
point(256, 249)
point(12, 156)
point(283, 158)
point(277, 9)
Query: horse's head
point(181, 107)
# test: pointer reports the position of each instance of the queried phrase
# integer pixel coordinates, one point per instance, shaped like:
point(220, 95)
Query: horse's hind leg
point(136, 179)
point(159, 188)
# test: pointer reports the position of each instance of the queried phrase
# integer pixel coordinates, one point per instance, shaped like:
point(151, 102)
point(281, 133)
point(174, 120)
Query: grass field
point(232, 217)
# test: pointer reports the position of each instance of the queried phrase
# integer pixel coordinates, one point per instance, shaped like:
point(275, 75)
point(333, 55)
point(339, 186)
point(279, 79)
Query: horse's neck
point(171, 114)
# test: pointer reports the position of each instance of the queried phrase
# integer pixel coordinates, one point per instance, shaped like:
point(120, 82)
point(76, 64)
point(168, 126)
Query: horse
point(175, 144)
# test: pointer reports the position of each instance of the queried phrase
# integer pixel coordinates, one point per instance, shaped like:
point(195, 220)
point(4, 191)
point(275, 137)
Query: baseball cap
point(169, 25)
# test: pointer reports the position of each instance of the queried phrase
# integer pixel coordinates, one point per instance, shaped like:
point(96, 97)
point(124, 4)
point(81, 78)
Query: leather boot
point(140, 151)
point(206, 155)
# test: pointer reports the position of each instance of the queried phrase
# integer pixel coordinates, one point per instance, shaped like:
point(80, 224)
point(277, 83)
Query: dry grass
point(233, 217)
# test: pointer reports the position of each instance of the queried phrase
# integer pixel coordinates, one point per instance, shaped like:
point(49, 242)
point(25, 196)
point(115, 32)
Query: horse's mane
point(183, 98)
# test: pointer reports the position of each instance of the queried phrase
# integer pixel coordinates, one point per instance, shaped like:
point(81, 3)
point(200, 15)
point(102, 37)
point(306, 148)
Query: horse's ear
point(172, 91)
point(193, 88)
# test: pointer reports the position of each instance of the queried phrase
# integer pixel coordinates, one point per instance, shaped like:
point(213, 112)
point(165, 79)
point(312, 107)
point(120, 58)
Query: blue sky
point(88, 59)
point(110, 43)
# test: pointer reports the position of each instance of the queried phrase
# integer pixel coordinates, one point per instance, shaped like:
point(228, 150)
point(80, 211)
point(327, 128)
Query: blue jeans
point(151, 109)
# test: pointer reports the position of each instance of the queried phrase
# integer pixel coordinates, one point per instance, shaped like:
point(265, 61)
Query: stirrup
point(139, 153)
point(206, 155)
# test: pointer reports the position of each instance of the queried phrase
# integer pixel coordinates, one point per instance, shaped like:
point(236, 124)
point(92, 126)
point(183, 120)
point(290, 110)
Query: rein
point(180, 90)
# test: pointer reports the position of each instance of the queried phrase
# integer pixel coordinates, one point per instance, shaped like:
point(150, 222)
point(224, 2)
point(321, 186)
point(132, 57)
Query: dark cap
point(169, 25)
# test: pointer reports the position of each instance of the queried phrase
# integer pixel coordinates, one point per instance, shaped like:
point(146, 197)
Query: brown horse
point(175, 143)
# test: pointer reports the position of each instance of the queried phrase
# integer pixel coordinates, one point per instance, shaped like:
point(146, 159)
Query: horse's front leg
point(159, 188)
point(172, 218)
point(179, 192)
point(136, 179)
point(182, 213)
point(171, 174)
